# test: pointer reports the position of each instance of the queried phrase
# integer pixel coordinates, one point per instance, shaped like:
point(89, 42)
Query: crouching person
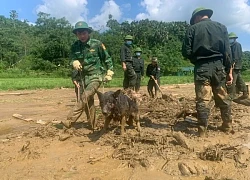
point(88, 56)
point(153, 72)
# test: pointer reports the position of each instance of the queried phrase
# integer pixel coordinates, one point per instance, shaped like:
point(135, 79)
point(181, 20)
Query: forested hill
point(45, 46)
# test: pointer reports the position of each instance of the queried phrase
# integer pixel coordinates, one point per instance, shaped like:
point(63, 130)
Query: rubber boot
point(226, 127)
point(227, 120)
point(156, 94)
point(244, 96)
point(66, 123)
point(202, 131)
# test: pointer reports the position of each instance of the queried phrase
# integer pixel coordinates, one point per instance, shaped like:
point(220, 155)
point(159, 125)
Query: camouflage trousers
point(86, 103)
point(129, 80)
point(138, 81)
point(237, 85)
point(152, 85)
point(210, 82)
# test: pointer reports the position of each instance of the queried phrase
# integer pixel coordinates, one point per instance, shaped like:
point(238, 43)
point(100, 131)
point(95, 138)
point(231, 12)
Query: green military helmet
point(128, 37)
point(201, 10)
point(232, 35)
point(81, 25)
point(154, 59)
point(138, 49)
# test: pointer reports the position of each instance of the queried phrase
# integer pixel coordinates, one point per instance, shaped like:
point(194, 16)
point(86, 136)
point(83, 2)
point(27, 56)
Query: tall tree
point(13, 16)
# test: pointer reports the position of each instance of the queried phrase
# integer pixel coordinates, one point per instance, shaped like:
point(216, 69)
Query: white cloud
point(232, 13)
point(100, 20)
point(72, 10)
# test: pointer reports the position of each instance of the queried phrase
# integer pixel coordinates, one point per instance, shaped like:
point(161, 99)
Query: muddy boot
point(202, 131)
point(244, 96)
point(226, 127)
point(66, 123)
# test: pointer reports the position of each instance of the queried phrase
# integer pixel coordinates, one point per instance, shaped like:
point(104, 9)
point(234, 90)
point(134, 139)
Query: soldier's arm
point(188, 44)
point(227, 54)
point(238, 52)
point(158, 72)
point(148, 71)
point(105, 57)
point(142, 68)
point(122, 54)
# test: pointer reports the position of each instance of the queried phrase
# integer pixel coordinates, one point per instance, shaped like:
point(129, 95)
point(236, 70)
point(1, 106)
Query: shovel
point(164, 96)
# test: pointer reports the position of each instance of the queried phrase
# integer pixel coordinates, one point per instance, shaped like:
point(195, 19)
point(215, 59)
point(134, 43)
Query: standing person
point(76, 81)
point(153, 72)
point(138, 67)
point(127, 63)
point(206, 45)
point(89, 58)
point(238, 82)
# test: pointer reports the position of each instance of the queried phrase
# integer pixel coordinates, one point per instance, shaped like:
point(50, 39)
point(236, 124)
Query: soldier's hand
point(124, 67)
point(229, 79)
point(108, 76)
point(77, 65)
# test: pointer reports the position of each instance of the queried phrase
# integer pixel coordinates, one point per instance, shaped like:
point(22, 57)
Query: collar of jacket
point(85, 43)
point(206, 19)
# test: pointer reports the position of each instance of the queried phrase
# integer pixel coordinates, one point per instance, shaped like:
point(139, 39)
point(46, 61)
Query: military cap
point(232, 35)
point(197, 11)
point(81, 25)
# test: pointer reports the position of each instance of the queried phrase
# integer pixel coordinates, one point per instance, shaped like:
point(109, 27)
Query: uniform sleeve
point(148, 71)
point(142, 67)
point(73, 53)
point(158, 72)
point(187, 45)
point(74, 75)
point(122, 54)
point(238, 52)
point(105, 57)
point(227, 54)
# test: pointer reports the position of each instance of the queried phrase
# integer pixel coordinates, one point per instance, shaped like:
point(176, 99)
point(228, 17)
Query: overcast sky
point(235, 14)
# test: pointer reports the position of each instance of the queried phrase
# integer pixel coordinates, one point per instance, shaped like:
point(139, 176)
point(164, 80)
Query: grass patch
point(51, 83)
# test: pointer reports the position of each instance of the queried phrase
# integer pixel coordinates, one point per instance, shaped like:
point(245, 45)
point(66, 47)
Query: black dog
point(119, 107)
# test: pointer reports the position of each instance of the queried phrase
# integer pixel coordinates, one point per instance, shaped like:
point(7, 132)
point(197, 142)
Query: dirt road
point(167, 148)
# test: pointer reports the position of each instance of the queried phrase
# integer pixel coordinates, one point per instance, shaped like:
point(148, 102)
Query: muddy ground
point(167, 148)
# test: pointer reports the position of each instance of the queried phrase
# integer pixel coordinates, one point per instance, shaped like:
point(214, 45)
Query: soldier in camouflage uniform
point(91, 59)
point(153, 72)
point(206, 45)
point(238, 82)
point(138, 64)
point(129, 80)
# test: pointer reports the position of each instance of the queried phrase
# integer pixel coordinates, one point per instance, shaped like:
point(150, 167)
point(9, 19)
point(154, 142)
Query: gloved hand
point(109, 75)
point(77, 65)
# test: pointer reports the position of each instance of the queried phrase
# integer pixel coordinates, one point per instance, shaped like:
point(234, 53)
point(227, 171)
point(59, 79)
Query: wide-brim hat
point(201, 10)
point(232, 35)
point(81, 26)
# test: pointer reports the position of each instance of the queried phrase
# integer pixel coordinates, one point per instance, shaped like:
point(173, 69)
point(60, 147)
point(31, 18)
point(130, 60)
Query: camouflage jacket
point(93, 56)
point(236, 55)
point(75, 76)
point(126, 53)
point(138, 65)
point(153, 71)
point(207, 40)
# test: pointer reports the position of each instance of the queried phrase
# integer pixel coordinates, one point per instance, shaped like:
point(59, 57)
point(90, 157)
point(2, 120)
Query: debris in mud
point(25, 146)
point(63, 136)
point(212, 153)
point(242, 157)
point(21, 117)
point(188, 169)
point(181, 140)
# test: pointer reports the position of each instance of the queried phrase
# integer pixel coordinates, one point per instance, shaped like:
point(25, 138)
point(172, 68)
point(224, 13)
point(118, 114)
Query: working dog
point(118, 106)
